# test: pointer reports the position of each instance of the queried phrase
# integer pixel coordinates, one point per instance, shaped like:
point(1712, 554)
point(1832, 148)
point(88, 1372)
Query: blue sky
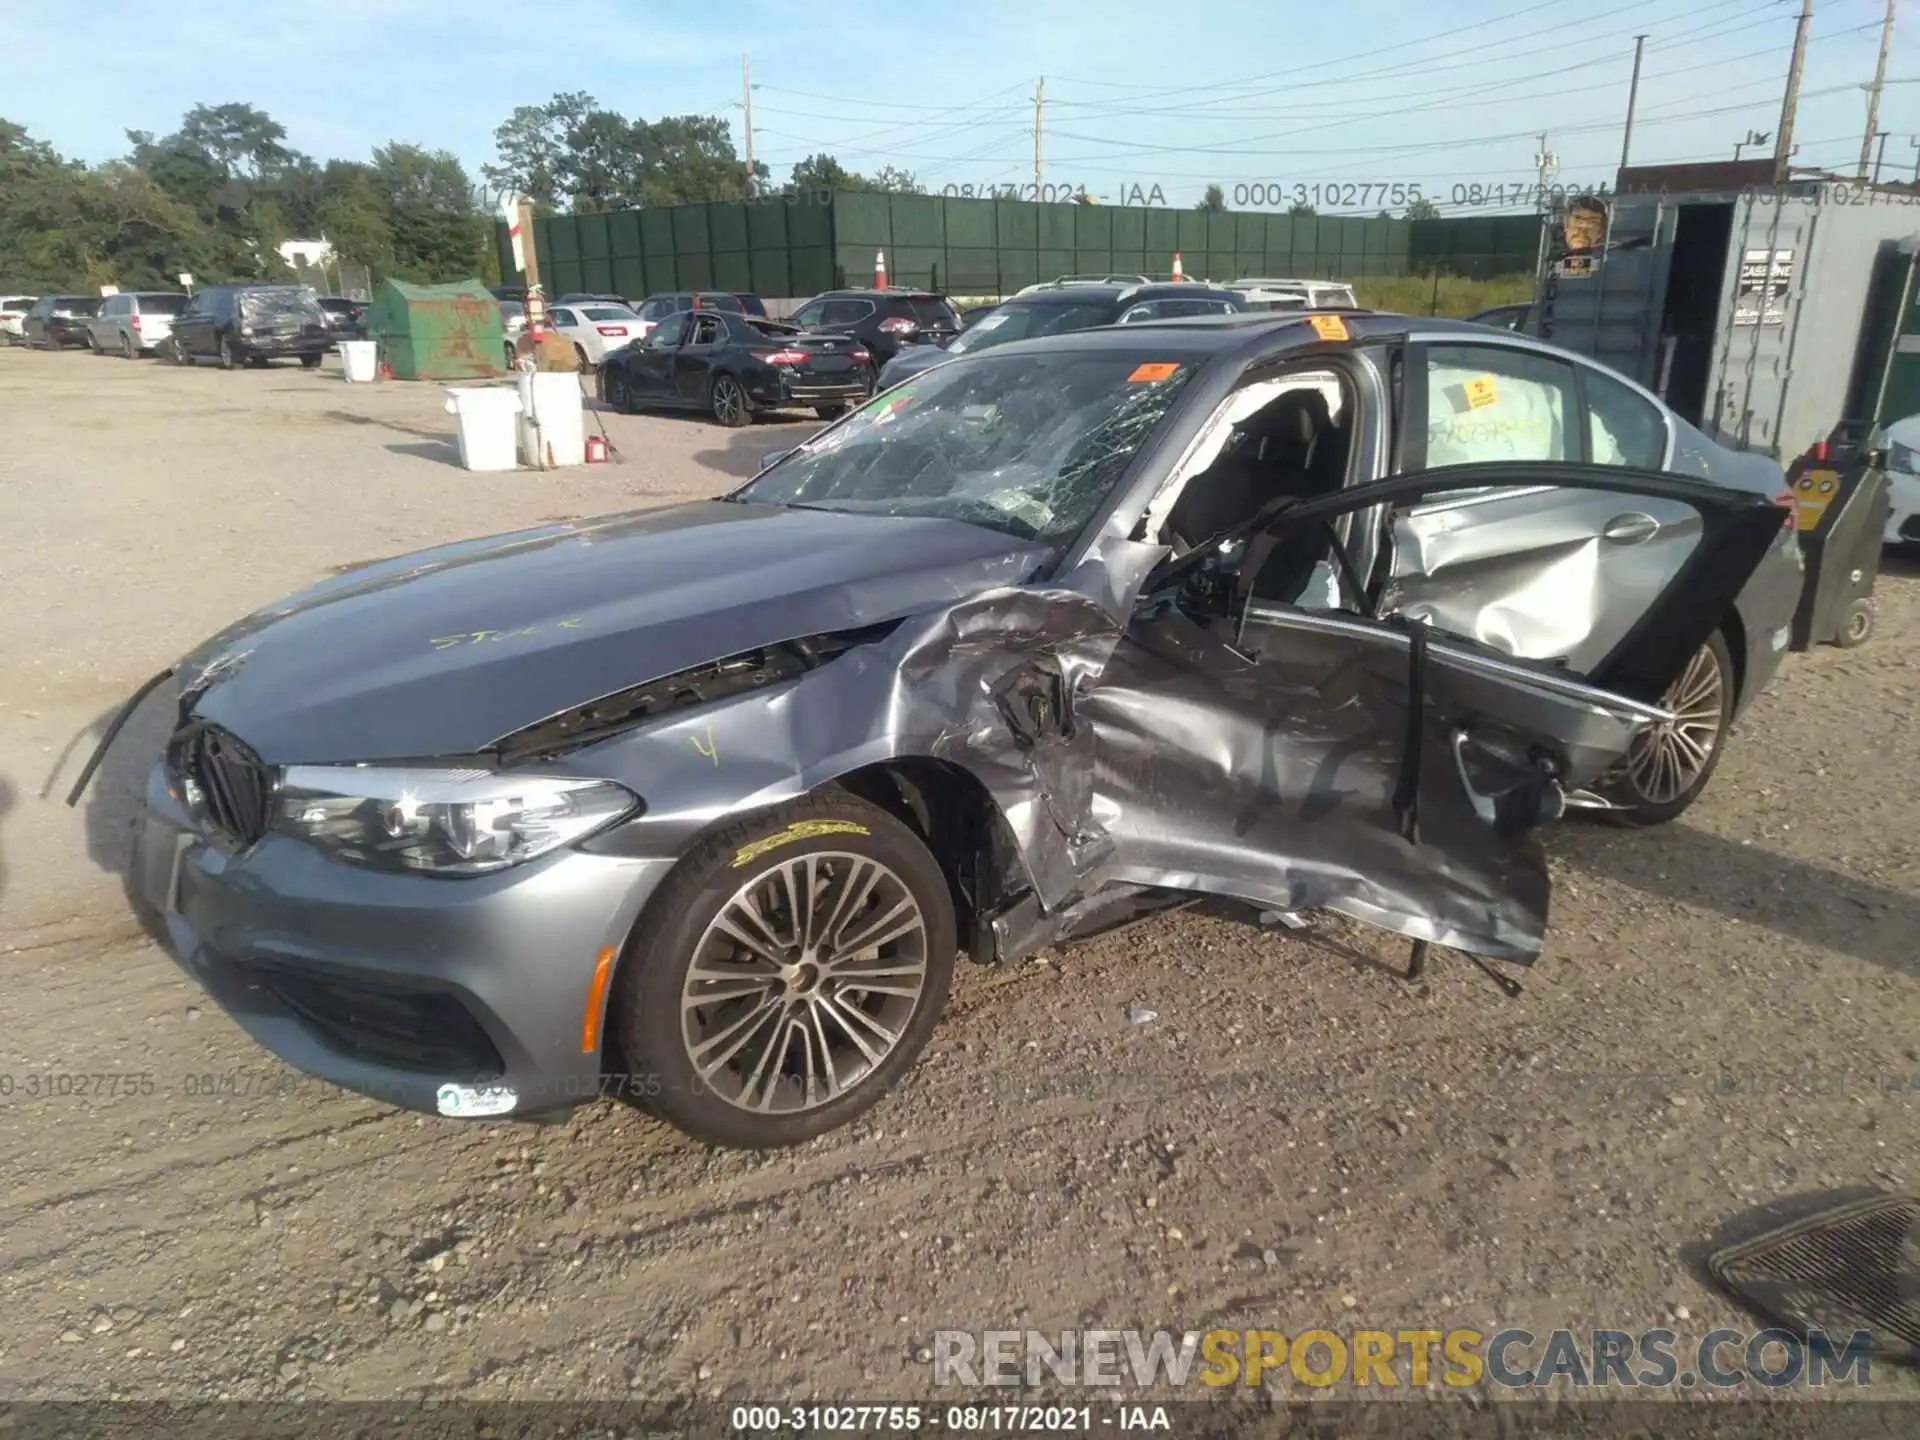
point(1173, 93)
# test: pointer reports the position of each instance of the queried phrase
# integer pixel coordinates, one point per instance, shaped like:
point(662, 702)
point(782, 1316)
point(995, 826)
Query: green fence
point(793, 246)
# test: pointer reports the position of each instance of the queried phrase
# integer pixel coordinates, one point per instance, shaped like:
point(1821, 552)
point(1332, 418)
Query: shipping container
point(1744, 310)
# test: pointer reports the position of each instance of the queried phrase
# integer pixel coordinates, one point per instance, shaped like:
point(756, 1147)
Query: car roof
point(890, 293)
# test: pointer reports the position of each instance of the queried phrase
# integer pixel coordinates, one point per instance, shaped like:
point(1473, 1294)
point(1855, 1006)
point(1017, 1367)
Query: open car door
point(1356, 760)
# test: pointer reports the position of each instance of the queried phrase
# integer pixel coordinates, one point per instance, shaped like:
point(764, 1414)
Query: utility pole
point(1039, 113)
point(1754, 137)
point(1783, 140)
point(1873, 90)
point(746, 101)
point(1546, 162)
point(1633, 97)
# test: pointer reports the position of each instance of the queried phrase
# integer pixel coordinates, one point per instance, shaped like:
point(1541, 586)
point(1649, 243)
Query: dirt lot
point(1727, 1017)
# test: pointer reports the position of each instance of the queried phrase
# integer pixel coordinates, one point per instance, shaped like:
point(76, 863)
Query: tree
point(1423, 209)
point(1300, 207)
point(244, 142)
point(535, 147)
point(428, 202)
point(823, 172)
point(1214, 202)
point(897, 181)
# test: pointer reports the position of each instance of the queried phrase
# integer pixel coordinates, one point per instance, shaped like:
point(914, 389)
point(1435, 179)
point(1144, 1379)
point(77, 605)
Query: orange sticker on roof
point(1328, 327)
point(1153, 370)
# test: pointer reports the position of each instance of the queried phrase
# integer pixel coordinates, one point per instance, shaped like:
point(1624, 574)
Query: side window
point(1151, 310)
point(1623, 428)
point(564, 319)
point(846, 312)
point(812, 314)
point(669, 332)
point(706, 331)
point(1487, 404)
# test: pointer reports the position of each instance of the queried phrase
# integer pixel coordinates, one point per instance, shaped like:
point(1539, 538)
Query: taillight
point(859, 354)
point(1786, 501)
point(788, 357)
point(611, 329)
point(898, 325)
point(134, 321)
point(1818, 451)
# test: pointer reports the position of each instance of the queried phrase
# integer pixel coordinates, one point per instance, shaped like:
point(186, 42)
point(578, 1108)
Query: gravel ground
point(1726, 1019)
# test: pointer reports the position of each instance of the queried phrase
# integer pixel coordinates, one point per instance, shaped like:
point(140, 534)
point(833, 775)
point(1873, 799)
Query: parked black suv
point(1059, 308)
point(884, 319)
point(57, 321)
point(253, 323)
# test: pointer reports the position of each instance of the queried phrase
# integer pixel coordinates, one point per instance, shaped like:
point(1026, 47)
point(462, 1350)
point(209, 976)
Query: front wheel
point(727, 400)
point(93, 343)
point(787, 974)
point(619, 393)
point(1670, 764)
point(227, 356)
point(311, 362)
point(829, 412)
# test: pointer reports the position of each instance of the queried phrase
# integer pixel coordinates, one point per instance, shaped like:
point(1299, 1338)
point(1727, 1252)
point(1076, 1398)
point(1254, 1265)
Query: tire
point(311, 362)
point(619, 394)
point(1646, 783)
point(829, 412)
point(1857, 626)
point(727, 402)
point(93, 343)
point(739, 871)
point(128, 350)
point(178, 353)
point(512, 360)
point(225, 352)
point(580, 354)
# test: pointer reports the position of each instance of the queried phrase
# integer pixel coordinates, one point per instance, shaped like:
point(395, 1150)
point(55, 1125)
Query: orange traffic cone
point(879, 269)
point(1179, 273)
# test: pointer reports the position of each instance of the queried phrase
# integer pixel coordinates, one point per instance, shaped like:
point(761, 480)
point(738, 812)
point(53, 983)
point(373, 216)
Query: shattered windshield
point(1030, 444)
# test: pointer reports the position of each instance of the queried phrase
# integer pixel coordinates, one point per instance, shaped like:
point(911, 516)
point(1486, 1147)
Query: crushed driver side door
point(1371, 764)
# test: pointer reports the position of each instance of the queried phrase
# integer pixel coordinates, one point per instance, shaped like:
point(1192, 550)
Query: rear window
point(280, 302)
point(162, 304)
point(16, 302)
point(752, 305)
point(719, 302)
point(76, 305)
point(833, 312)
point(609, 312)
point(1023, 322)
point(932, 313)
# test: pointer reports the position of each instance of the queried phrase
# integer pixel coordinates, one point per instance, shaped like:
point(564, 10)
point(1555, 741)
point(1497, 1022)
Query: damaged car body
point(700, 804)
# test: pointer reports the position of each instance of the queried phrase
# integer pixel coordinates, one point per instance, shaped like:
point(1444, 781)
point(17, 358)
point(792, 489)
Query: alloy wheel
point(617, 396)
point(729, 401)
point(804, 982)
point(126, 347)
point(1667, 760)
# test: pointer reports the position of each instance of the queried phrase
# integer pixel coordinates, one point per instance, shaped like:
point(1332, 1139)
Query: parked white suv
point(13, 318)
point(134, 323)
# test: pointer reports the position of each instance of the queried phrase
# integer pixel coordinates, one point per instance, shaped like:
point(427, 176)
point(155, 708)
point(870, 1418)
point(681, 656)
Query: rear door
point(1543, 572)
point(693, 362)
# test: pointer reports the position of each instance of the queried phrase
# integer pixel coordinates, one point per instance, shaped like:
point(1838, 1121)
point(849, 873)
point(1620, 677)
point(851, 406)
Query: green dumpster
point(437, 332)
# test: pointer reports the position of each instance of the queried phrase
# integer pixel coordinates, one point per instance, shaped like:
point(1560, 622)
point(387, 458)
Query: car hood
point(445, 651)
point(911, 361)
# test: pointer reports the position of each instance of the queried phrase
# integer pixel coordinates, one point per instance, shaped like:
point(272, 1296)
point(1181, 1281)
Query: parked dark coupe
point(731, 365)
point(57, 321)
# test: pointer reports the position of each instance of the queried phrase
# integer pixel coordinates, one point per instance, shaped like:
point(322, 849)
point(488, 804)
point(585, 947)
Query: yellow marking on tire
point(798, 830)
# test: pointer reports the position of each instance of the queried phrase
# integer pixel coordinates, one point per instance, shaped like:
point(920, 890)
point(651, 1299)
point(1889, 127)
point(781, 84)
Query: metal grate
point(1853, 1268)
point(236, 786)
point(424, 1032)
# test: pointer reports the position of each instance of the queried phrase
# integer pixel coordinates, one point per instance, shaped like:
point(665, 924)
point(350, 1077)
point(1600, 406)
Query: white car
point(596, 329)
point(13, 318)
point(1901, 441)
point(134, 322)
point(1265, 294)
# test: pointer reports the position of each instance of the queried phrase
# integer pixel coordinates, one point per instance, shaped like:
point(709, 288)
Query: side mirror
point(1876, 459)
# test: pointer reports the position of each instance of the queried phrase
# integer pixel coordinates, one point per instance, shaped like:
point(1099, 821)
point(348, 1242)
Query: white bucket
point(483, 420)
point(357, 360)
point(553, 421)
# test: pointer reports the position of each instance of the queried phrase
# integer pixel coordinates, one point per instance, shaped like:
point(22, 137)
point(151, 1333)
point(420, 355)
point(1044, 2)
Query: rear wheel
point(829, 412)
point(1857, 627)
point(1670, 764)
point(580, 354)
point(311, 362)
point(727, 401)
point(128, 350)
point(786, 975)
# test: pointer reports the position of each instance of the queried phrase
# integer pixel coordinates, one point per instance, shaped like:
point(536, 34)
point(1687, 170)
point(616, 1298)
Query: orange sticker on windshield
point(1328, 327)
point(1154, 370)
point(1480, 392)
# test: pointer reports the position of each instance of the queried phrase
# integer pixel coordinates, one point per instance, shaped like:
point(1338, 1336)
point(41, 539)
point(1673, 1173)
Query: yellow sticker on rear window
point(1328, 327)
point(1480, 392)
point(1153, 370)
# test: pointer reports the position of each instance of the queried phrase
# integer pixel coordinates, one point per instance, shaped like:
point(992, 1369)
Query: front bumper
point(1903, 523)
point(398, 986)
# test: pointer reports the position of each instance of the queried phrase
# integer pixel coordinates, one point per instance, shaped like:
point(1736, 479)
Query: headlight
point(445, 822)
